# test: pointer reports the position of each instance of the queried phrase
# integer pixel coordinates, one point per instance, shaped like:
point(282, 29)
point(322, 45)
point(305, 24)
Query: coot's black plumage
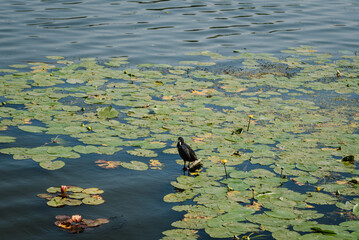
point(186, 152)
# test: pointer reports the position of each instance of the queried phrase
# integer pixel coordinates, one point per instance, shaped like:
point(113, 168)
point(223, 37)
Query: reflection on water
point(162, 29)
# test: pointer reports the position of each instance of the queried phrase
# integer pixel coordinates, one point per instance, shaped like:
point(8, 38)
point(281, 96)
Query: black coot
point(186, 152)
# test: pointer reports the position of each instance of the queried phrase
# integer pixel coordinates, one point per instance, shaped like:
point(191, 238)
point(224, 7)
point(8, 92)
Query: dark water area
point(133, 200)
point(146, 32)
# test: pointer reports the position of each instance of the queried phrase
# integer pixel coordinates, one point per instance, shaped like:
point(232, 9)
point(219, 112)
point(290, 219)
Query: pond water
point(158, 31)
point(144, 32)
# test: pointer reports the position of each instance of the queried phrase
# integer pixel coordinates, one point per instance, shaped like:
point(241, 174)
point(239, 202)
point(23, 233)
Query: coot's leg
point(184, 166)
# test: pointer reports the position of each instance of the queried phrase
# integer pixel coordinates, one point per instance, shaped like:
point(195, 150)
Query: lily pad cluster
point(72, 196)
point(285, 163)
point(133, 165)
point(75, 223)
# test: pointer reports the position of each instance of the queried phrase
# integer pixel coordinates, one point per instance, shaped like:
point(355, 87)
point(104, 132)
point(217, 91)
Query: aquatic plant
point(72, 196)
point(224, 161)
point(76, 224)
point(249, 121)
point(305, 132)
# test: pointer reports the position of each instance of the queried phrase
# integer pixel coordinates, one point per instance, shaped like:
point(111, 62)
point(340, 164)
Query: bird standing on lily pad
point(186, 153)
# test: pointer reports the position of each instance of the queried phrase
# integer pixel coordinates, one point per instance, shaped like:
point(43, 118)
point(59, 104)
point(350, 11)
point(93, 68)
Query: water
point(133, 200)
point(161, 31)
point(145, 31)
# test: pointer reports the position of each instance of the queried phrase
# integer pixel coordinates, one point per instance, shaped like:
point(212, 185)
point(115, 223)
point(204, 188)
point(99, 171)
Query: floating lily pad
point(282, 213)
point(92, 191)
point(53, 189)
point(78, 195)
point(307, 167)
point(142, 153)
point(107, 112)
point(85, 149)
point(186, 234)
point(228, 230)
point(94, 200)
point(320, 198)
point(178, 197)
point(135, 165)
point(96, 222)
point(74, 189)
point(7, 139)
point(52, 165)
point(56, 202)
point(33, 129)
point(71, 202)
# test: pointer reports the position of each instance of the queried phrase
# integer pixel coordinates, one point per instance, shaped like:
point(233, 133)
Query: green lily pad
point(52, 165)
point(282, 213)
point(14, 150)
point(185, 234)
point(33, 129)
point(7, 139)
point(85, 149)
point(307, 167)
point(285, 234)
point(71, 202)
point(306, 179)
point(178, 197)
point(56, 202)
point(78, 195)
point(320, 198)
point(53, 189)
point(92, 191)
point(71, 108)
point(107, 112)
point(134, 165)
point(74, 189)
point(228, 230)
point(142, 153)
point(93, 201)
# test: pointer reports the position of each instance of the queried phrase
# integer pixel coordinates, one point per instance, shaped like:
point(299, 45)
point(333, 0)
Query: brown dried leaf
point(45, 195)
point(107, 164)
point(256, 206)
point(155, 164)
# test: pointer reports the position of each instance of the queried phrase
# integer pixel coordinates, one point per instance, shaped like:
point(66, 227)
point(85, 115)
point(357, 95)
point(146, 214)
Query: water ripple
point(144, 29)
